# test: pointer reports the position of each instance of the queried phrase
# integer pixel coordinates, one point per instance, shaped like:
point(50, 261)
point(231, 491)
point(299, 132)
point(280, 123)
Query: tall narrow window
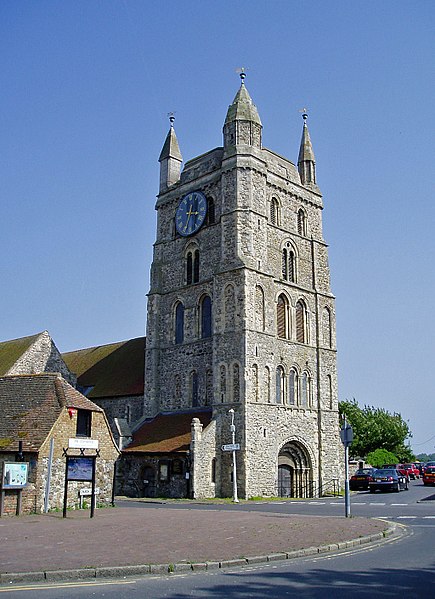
point(206, 317)
point(284, 265)
point(255, 381)
point(236, 382)
point(282, 316)
point(291, 267)
point(329, 389)
point(194, 388)
point(274, 211)
point(84, 423)
point(267, 382)
point(326, 325)
point(279, 397)
point(305, 390)
point(196, 266)
point(179, 323)
point(213, 470)
point(223, 383)
point(189, 268)
point(292, 387)
point(302, 222)
point(301, 322)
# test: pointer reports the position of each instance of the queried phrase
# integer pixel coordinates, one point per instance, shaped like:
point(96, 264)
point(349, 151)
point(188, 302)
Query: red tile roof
point(30, 406)
point(113, 370)
point(167, 433)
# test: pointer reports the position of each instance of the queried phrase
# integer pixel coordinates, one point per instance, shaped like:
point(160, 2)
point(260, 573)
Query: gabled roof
point(112, 370)
point(31, 404)
point(167, 433)
point(11, 351)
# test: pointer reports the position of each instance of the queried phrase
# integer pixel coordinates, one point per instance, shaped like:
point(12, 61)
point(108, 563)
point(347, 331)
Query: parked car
point(361, 479)
point(421, 466)
point(388, 479)
point(431, 463)
point(412, 470)
point(400, 467)
point(429, 475)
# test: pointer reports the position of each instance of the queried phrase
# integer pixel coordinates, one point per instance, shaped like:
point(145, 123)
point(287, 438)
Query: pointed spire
point(244, 112)
point(170, 158)
point(306, 159)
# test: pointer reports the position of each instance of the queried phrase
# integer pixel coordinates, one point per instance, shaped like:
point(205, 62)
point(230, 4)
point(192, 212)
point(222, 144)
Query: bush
point(379, 457)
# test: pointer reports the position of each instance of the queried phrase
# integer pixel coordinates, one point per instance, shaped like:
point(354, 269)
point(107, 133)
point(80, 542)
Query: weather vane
point(242, 72)
point(171, 116)
point(304, 114)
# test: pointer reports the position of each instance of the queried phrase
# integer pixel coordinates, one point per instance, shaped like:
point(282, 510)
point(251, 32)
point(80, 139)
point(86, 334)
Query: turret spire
point(242, 123)
point(170, 158)
point(306, 159)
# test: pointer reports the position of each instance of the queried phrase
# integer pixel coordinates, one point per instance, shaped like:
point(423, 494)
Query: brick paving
point(125, 536)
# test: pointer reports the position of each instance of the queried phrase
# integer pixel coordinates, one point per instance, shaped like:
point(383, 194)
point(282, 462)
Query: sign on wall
point(79, 468)
point(15, 475)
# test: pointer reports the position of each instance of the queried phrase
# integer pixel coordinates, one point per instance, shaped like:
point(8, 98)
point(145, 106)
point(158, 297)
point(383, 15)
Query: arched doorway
point(294, 471)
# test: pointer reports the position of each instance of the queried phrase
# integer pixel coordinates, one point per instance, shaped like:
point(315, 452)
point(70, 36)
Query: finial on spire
point(171, 116)
point(304, 114)
point(242, 73)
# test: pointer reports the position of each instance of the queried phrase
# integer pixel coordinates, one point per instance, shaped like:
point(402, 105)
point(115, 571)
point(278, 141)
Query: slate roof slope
point(11, 351)
point(167, 433)
point(30, 406)
point(113, 370)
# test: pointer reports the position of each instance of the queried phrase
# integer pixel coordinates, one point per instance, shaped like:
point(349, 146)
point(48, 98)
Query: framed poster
point(15, 475)
point(79, 468)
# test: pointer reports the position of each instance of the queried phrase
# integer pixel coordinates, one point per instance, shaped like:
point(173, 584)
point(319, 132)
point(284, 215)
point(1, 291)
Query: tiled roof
point(167, 433)
point(111, 370)
point(31, 404)
point(11, 351)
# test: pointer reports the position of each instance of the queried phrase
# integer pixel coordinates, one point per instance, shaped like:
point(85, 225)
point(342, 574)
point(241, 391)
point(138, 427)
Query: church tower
point(241, 314)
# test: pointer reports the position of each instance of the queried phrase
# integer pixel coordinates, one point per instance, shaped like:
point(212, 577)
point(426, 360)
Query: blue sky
point(86, 88)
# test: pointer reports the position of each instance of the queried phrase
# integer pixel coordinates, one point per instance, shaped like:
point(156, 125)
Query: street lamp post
point(233, 441)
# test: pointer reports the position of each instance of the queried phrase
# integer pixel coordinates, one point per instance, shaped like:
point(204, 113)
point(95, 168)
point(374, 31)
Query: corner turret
point(170, 159)
point(242, 124)
point(306, 160)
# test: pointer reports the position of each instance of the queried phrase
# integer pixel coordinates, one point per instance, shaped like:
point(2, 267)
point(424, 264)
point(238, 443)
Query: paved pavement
point(124, 541)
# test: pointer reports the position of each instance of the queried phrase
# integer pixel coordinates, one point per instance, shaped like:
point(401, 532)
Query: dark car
point(429, 475)
point(388, 479)
point(400, 468)
point(361, 479)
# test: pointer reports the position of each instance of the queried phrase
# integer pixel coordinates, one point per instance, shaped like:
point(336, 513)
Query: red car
point(412, 470)
point(429, 476)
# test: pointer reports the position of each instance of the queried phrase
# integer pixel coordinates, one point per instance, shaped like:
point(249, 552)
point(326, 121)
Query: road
point(399, 567)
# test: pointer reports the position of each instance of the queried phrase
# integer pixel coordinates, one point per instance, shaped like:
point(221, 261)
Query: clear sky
point(86, 86)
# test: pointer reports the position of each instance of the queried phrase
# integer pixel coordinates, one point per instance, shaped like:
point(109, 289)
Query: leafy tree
point(375, 428)
point(379, 457)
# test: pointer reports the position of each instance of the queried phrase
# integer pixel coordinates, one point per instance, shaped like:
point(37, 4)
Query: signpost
point(80, 467)
point(346, 435)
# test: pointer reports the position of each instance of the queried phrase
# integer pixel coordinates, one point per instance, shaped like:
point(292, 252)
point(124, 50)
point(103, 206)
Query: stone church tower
point(241, 314)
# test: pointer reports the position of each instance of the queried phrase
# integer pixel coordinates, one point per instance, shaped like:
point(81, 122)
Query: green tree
point(379, 457)
point(375, 428)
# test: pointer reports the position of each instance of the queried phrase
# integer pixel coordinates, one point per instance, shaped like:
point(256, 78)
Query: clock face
point(191, 213)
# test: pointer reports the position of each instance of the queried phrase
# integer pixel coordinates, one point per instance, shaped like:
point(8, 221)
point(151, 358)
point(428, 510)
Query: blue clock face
point(191, 213)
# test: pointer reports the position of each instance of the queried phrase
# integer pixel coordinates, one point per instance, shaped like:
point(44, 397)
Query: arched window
point(259, 308)
point(192, 267)
point(280, 384)
point(288, 265)
point(236, 382)
point(223, 383)
point(326, 326)
point(274, 207)
point(210, 211)
point(282, 317)
point(205, 310)
point(293, 387)
point(302, 222)
point(284, 265)
point(329, 389)
point(255, 381)
point(305, 390)
point(267, 382)
point(179, 323)
point(301, 322)
point(194, 388)
point(291, 267)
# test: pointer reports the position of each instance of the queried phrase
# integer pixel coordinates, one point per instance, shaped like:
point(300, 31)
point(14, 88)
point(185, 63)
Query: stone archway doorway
point(294, 471)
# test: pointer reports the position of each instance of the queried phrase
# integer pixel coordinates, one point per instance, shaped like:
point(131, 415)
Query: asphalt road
point(402, 566)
